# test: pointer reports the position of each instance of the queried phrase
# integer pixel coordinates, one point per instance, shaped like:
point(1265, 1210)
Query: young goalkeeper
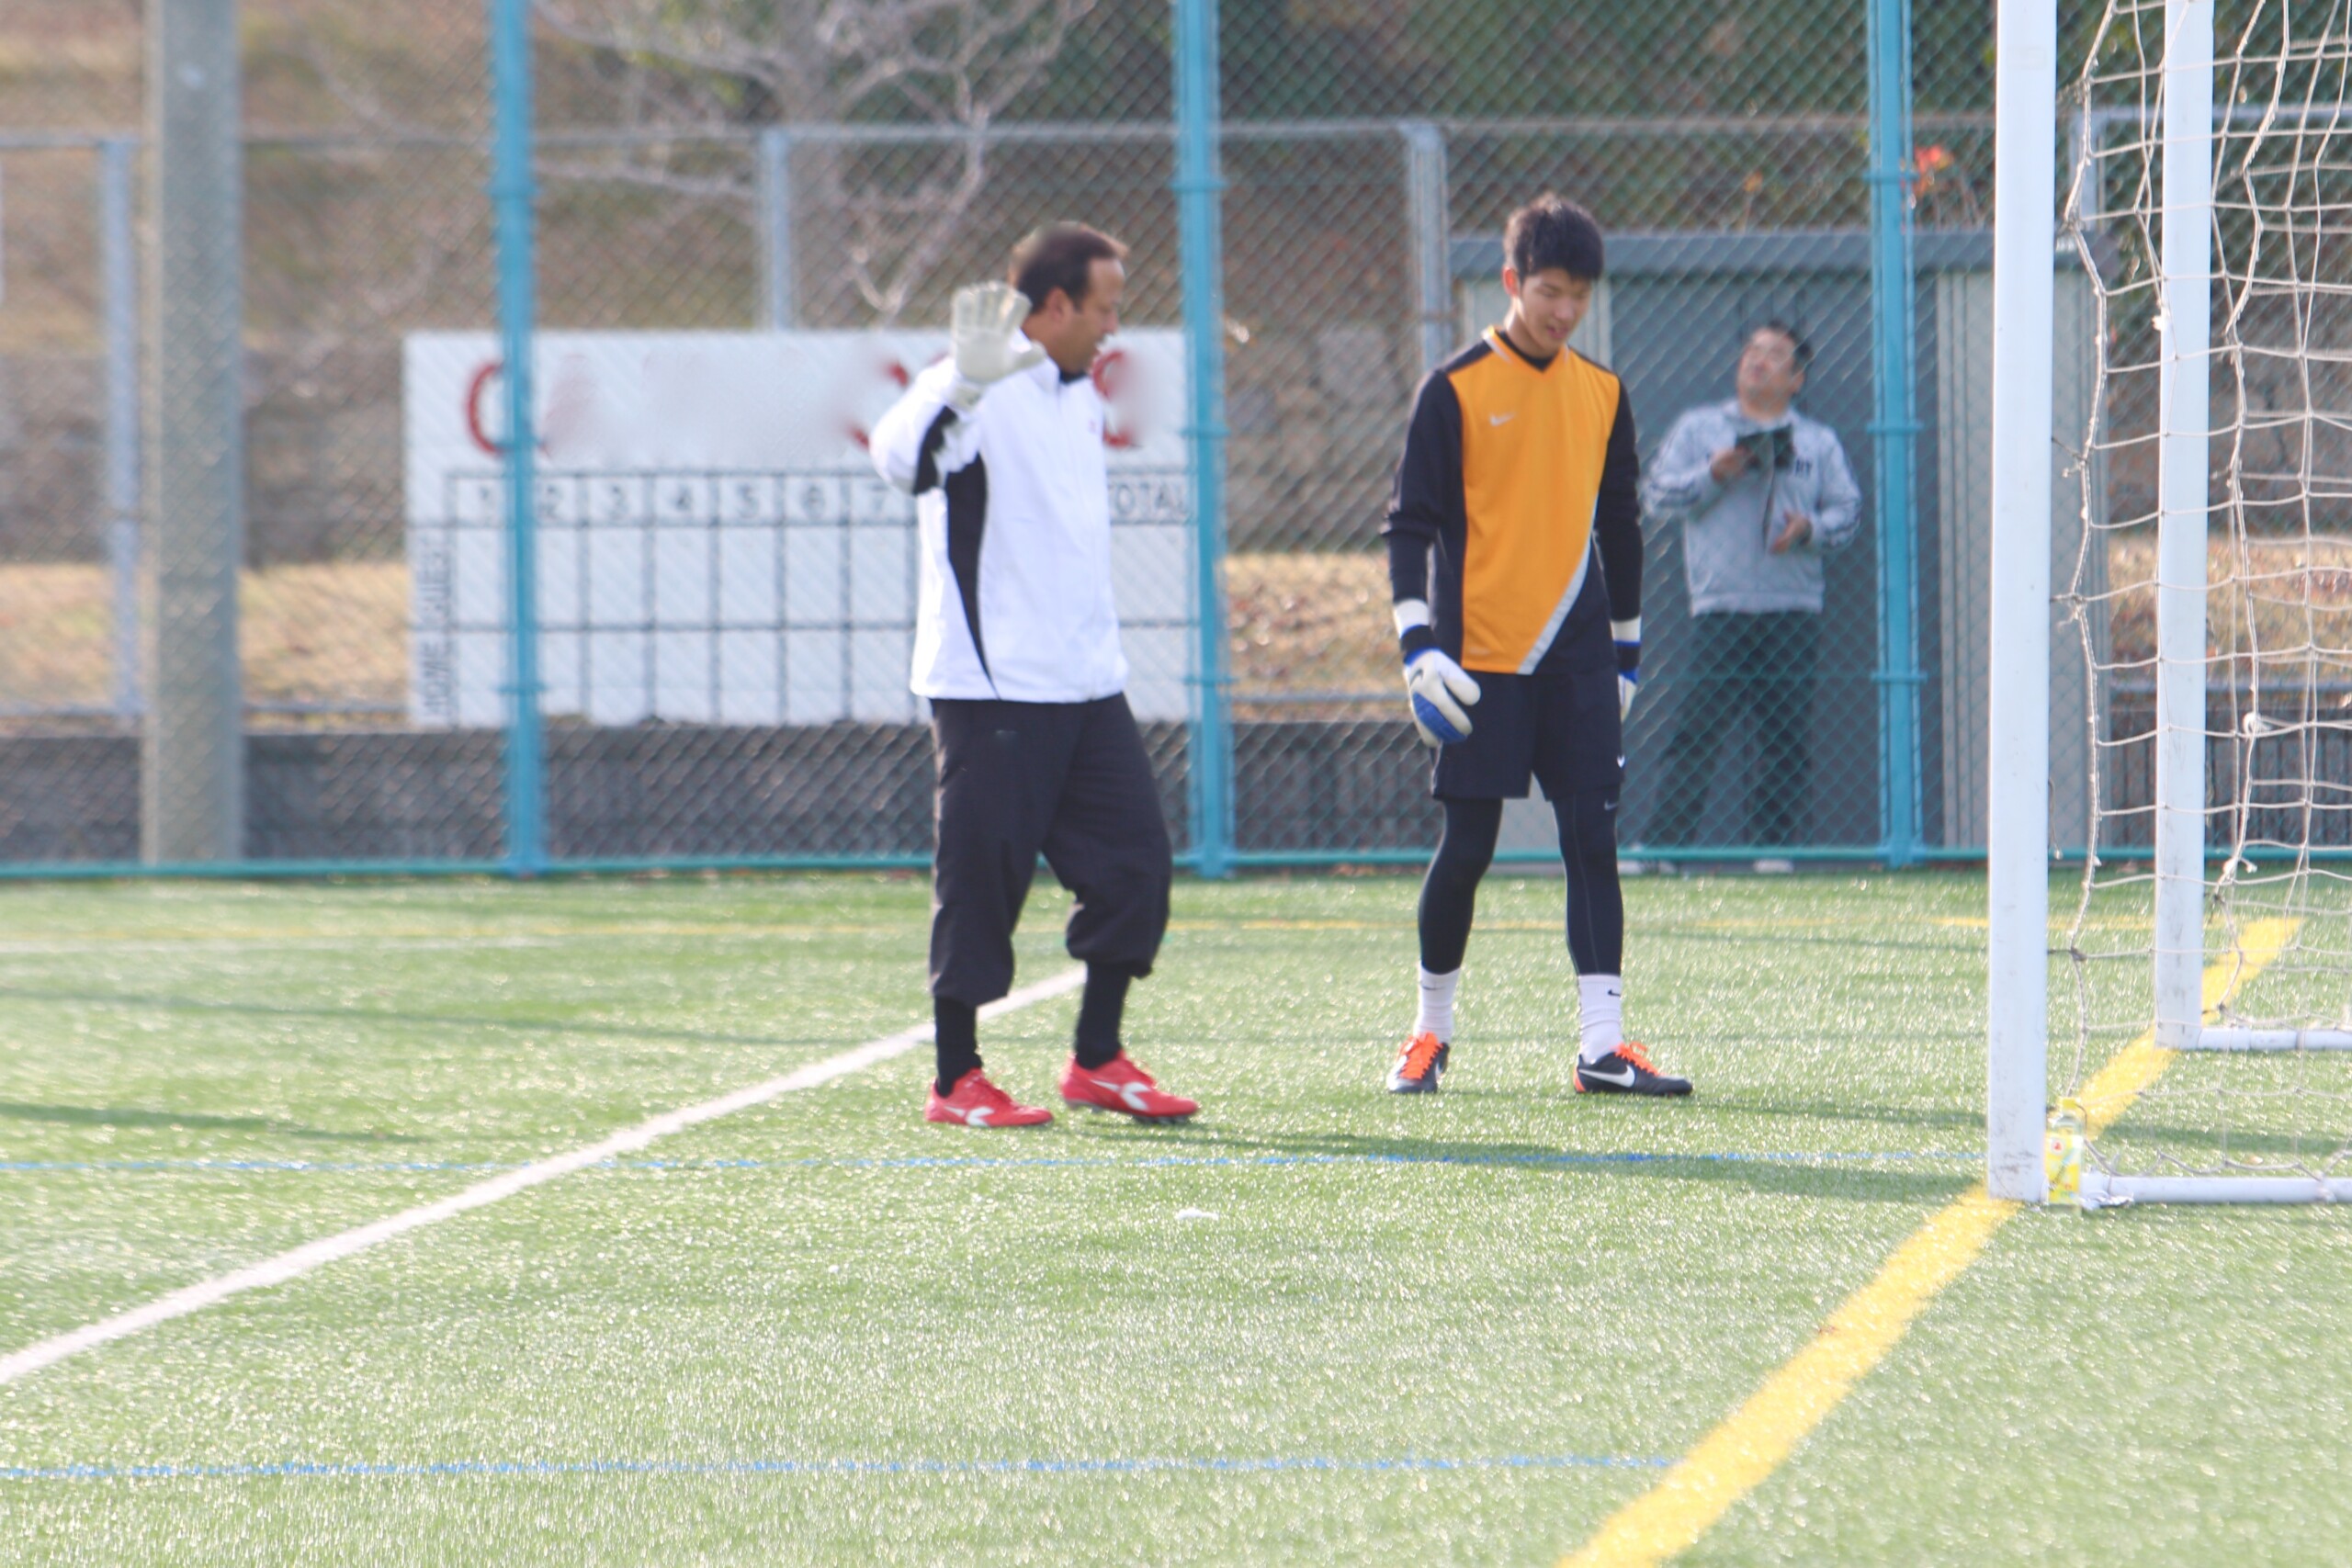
point(1522, 646)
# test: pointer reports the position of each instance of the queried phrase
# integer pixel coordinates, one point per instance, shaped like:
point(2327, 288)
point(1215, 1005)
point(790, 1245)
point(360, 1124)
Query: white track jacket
point(1014, 505)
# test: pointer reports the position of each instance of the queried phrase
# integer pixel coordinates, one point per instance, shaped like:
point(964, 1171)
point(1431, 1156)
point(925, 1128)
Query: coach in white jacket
point(1017, 648)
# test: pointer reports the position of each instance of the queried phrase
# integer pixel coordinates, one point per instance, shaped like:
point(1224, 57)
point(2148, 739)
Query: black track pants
point(1068, 781)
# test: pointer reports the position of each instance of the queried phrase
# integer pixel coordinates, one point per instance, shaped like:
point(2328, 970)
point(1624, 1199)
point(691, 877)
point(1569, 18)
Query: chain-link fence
point(748, 225)
point(205, 637)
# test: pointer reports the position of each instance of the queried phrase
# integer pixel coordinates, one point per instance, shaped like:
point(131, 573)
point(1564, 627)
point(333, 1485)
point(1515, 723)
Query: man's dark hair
point(1059, 255)
point(1553, 231)
point(1800, 350)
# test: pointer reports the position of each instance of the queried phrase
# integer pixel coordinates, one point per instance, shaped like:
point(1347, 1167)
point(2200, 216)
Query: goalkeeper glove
point(1628, 635)
point(984, 336)
point(1435, 685)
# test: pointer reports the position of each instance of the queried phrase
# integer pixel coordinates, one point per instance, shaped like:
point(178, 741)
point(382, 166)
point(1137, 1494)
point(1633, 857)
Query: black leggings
point(1589, 850)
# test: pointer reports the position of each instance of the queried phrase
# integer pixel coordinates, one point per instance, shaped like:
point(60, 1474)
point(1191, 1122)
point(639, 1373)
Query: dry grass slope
point(337, 632)
point(1300, 622)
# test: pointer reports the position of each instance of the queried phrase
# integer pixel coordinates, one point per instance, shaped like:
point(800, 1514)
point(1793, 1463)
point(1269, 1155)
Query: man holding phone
point(1762, 494)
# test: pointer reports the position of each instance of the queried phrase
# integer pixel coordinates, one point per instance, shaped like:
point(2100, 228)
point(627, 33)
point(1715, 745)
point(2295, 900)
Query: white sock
point(1436, 1016)
point(1600, 1001)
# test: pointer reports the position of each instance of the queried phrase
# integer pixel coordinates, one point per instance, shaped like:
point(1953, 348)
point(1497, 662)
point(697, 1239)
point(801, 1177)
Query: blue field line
point(311, 1470)
point(982, 1162)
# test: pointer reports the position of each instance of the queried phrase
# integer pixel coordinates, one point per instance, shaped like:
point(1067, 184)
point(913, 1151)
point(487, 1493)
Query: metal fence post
point(119, 271)
point(779, 306)
point(1198, 184)
point(192, 755)
point(1893, 317)
point(1428, 205)
point(512, 194)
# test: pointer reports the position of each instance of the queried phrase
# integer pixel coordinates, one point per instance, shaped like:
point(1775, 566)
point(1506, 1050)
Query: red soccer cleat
point(979, 1104)
point(1119, 1085)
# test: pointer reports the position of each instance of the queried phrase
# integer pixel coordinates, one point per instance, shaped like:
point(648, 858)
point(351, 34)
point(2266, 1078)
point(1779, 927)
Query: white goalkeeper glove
point(984, 333)
point(1440, 693)
point(1438, 688)
point(1628, 637)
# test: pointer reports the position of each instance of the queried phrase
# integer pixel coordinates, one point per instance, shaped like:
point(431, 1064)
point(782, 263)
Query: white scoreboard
point(713, 545)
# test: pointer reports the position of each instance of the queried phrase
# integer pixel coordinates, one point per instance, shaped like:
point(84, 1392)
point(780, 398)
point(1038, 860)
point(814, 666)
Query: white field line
point(313, 1255)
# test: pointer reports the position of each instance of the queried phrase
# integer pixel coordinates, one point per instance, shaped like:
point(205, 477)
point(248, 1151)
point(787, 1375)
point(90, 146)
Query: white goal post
point(2272, 265)
point(2017, 745)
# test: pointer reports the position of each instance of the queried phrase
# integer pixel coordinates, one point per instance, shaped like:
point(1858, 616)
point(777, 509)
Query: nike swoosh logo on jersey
point(1622, 1080)
point(1502, 417)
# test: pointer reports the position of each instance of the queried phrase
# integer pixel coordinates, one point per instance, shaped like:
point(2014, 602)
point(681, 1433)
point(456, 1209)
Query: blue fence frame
point(1197, 185)
point(513, 193)
point(1894, 366)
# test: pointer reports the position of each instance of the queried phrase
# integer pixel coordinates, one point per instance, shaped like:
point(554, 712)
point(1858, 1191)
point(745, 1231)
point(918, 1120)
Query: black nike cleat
point(1626, 1070)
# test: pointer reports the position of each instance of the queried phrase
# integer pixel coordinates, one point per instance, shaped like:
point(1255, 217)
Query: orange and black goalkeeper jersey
point(1517, 477)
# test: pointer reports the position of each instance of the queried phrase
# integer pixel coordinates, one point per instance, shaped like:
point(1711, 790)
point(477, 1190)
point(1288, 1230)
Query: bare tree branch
point(950, 63)
point(648, 175)
point(942, 212)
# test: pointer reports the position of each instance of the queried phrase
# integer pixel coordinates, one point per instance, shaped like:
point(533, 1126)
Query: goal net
point(2209, 200)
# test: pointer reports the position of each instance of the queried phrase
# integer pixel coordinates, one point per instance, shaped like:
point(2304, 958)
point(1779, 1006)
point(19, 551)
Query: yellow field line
point(1754, 1440)
point(2115, 1086)
point(2058, 928)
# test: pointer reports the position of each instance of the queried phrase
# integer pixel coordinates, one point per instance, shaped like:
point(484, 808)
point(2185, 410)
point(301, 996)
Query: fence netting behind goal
point(2264, 1110)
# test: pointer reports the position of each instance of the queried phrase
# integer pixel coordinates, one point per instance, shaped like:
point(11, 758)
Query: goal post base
point(2211, 1038)
point(2102, 1190)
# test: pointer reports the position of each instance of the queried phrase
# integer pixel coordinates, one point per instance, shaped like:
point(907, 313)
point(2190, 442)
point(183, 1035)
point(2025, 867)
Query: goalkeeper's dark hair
point(1553, 231)
point(1799, 351)
point(1059, 255)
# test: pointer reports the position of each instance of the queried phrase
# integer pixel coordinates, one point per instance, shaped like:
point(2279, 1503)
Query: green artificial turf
point(1319, 1323)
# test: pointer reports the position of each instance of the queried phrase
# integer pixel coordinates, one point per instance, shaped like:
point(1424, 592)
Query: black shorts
point(1559, 726)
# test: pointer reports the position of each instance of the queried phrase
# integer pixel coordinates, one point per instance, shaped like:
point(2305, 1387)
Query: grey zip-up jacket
point(1724, 528)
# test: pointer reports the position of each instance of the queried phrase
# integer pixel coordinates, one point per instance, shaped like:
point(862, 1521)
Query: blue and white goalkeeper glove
point(1628, 636)
point(1439, 690)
